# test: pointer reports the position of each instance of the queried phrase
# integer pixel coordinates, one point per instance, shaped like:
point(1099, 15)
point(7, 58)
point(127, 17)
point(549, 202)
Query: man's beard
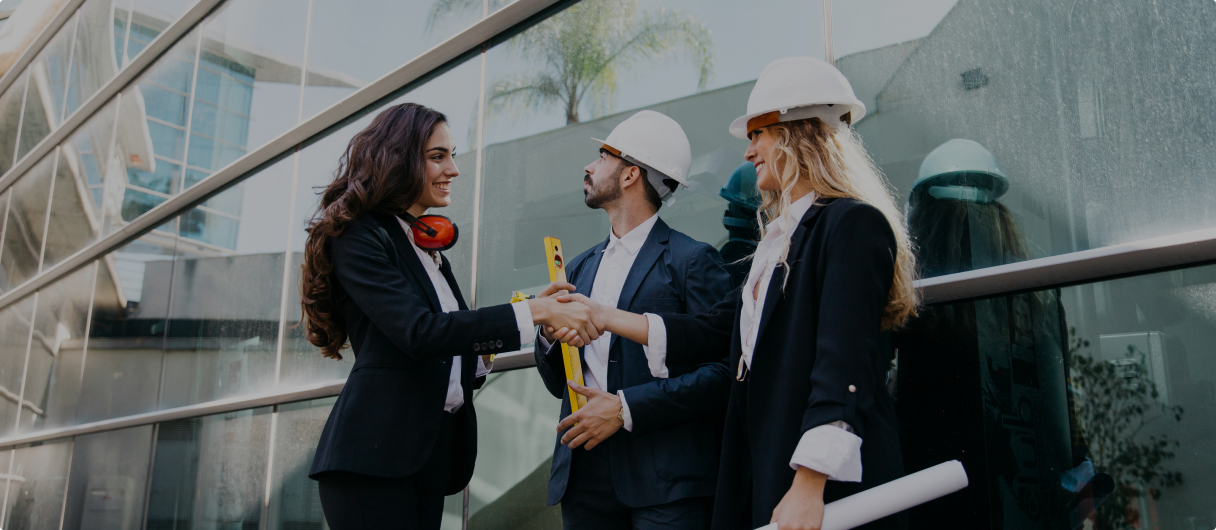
point(604, 193)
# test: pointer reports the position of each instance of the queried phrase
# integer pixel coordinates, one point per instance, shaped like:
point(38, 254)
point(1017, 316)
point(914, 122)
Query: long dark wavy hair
point(383, 170)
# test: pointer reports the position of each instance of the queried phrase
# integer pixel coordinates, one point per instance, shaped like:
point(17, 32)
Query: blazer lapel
point(446, 269)
point(584, 278)
point(405, 249)
point(654, 246)
point(777, 284)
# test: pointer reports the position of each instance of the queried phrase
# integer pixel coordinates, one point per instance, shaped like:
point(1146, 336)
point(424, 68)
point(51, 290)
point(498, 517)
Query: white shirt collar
point(409, 234)
point(634, 240)
point(798, 208)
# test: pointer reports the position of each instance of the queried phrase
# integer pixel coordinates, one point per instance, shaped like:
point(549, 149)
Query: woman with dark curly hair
point(403, 432)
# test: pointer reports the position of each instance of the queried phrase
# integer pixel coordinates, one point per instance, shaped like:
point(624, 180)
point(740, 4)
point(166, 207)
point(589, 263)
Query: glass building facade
point(159, 160)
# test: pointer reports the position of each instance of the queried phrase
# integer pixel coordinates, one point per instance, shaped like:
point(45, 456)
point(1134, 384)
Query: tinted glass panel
point(108, 480)
point(223, 321)
point(87, 180)
point(25, 224)
point(210, 472)
point(1072, 143)
point(45, 96)
point(36, 486)
point(10, 121)
point(15, 323)
point(127, 331)
point(294, 501)
point(57, 353)
point(1084, 407)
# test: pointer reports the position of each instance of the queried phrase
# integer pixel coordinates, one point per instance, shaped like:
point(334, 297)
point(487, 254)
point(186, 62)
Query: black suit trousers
point(353, 501)
point(591, 503)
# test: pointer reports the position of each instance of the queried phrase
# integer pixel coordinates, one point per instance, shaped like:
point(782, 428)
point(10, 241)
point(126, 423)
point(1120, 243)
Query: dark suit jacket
point(385, 421)
point(672, 452)
point(816, 338)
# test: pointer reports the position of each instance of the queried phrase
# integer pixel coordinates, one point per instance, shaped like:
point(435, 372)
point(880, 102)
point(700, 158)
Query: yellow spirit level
point(570, 356)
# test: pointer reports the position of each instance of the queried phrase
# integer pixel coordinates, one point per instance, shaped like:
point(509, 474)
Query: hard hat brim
point(738, 128)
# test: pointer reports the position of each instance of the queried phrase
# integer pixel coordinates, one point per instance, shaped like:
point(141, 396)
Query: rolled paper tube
point(893, 497)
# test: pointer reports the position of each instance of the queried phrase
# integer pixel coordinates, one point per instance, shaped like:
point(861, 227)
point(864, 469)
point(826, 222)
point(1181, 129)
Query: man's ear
point(630, 176)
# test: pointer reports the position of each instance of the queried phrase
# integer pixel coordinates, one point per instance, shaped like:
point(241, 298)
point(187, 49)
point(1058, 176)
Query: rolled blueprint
point(893, 497)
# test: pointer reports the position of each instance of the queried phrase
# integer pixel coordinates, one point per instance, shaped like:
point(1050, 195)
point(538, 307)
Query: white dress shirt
point(610, 277)
point(447, 301)
point(831, 449)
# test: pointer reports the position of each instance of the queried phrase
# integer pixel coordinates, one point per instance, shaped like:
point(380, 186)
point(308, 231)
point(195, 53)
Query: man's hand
point(572, 316)
point(802, 506)
point(574, 339)
point(550, 291)
point(596, 421)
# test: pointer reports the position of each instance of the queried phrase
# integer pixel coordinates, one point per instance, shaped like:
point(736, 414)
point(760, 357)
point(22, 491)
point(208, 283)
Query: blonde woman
point(809, 418)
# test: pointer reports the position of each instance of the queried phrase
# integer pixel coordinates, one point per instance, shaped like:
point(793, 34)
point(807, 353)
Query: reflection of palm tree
point(585, 50)
point(1114, 403)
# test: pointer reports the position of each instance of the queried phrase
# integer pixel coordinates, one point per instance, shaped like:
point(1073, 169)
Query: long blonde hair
point(835, 164)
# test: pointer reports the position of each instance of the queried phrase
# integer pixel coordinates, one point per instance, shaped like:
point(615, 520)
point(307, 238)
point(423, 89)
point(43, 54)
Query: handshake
point(570, 318)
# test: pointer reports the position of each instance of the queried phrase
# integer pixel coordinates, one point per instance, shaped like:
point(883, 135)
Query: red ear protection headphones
point(433, 232)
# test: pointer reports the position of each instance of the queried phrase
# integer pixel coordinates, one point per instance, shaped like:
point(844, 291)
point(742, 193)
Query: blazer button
point(476, 347)
point(498, 344)
point(485, 346)
point(852, 388)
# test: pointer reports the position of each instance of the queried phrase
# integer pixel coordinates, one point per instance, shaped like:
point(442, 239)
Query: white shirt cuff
point(656, 349)
point(482, 369)
point(832, 450)
point(625, 411)
point(523, 319)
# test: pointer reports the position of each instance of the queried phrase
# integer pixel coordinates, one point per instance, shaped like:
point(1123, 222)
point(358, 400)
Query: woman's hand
point(802, 506)
point(552, 290)
point(573, 316)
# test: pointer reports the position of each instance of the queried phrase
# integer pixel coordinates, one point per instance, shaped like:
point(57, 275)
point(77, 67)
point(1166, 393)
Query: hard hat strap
point(654, 176)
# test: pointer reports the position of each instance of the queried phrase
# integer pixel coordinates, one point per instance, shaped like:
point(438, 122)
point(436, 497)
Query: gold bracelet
point(620, 414)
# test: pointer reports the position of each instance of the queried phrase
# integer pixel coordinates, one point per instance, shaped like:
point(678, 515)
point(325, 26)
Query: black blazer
point(816, 338)
point(386, 419)
point(672, 452)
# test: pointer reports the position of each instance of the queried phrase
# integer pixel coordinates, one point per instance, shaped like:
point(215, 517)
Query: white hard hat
point(655, 142)
point(799, 88)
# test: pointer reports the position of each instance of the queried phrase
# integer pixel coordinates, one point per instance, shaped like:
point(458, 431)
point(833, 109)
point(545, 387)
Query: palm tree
point(585, 51)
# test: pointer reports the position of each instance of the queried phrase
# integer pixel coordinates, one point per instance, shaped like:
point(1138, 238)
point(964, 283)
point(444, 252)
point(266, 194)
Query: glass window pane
point(210, 472)
point(101, 24)
point(223, 323)
point(341, 34)
point(538, 140)
point(15, 321)
point(36, 486)
point(127, 333)
point(108, 480)
point(149, 19)
point(1083, 407)
point(248, 85)
point(1071, 142)
point(25, 224)
point(56, 359)
point(512, 477)
point(294, 501)
point(48, 82)
point(80, 184)
point(10, 119)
